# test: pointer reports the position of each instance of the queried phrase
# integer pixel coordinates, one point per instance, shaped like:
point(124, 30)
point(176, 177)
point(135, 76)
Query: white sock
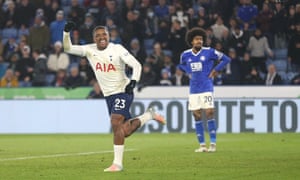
point(118, 154)
point(145, 118)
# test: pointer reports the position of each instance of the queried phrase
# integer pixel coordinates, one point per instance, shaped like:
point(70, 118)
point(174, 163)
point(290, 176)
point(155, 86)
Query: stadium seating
point(280, 53)
point(281, 64)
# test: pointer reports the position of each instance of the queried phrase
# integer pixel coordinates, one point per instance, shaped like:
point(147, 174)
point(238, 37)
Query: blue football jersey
point(200, 65)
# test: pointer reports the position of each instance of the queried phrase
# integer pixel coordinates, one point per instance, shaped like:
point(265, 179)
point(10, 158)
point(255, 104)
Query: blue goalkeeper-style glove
point(69, 26)
point(129, 88)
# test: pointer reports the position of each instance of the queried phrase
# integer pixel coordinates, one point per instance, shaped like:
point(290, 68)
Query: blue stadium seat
point(283, 76)
point(280, 53)
point(291, 75)
point(281, 64)
point(49, 79)
point(148, 43)
point(167, 52)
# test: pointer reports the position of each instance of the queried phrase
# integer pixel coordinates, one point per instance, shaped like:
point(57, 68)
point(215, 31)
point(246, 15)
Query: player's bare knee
point(210, 113)
point(197, 115)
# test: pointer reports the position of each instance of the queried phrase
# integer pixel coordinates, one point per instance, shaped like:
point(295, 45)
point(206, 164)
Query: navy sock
point(211, 126)
point(200, 132)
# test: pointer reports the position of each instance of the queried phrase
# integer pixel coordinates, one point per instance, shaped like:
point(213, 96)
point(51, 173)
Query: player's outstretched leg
point(149, 115)
point(155, 116)
point(132, 125)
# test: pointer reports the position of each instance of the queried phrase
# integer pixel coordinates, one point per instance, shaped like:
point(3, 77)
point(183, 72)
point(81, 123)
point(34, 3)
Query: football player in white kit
point(108, 61)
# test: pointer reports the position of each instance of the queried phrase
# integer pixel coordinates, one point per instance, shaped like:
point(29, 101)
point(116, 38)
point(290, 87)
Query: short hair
point(100, 27)
point(196, 31)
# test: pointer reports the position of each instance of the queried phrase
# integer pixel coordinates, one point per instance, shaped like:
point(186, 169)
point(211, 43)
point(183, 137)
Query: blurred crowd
point(262, 37)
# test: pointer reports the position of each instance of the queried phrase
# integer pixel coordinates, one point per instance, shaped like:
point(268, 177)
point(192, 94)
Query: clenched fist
point(69, 26)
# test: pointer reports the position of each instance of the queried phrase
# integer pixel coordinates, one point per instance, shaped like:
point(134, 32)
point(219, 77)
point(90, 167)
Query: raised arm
point(67, 44)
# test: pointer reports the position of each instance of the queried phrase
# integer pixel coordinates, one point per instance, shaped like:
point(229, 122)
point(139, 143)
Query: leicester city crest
point(202, 58)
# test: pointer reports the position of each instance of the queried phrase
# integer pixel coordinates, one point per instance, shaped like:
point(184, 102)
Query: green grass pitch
point(150, 156)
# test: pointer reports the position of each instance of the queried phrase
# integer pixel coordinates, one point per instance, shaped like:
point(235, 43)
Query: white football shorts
point(201, 101)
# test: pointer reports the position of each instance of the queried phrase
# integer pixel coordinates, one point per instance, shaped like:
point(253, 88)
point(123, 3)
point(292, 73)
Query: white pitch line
point(59, 155)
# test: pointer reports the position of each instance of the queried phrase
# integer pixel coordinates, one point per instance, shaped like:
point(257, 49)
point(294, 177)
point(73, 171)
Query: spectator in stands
point(246, 15)
point(94, 8)
point(86, 71)
point(162, 35)
point(23, 32)
point(202, 14)
point(272, 78)
point(176, 40)
point(291, 20)
point(218, 28)
point(168, 64)
point(180, 78)
point(25, 13)
point(58, 59)
point(40, 68)
point(3, 66)
point(9, 79)
point(1, 46)
point(9, 13)
point(127, 5)
point(13, 61)
point(297, 9)
point(9, 31)
point(86, 29)
point(296, 80)
point(253, 78)
point(60, 78)
point(225, 40)
point(246, 67)
point(110, 24)
point(158, 52)
point(40, 12)
point(74, 80)
point(165, 79)
point(161, 10)
point(46, 7)
point(144, 8)
point(258, 47)
point(39, 34)
point(148, 77)
point(57, 27)
point(50, 9)
point(264, 19)
point(137, 50)
point(132, 28)
point(10, 47)
point(76, 13)
point(111, 10)
point(24, 69)
point(115, 36)
point(279, 26)
point(294, 49)
point(233, 23)
point(239, 41)
point(96, 92)
point(233, 69)
point(150, 24)
point(180, 16)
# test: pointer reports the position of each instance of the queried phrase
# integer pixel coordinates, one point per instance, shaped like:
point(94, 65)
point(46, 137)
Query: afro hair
point(196, 31)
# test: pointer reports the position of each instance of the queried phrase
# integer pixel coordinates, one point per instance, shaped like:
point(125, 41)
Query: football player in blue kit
point(202, 64)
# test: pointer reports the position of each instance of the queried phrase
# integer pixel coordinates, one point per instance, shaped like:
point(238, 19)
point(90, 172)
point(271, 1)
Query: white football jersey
point(108, 64)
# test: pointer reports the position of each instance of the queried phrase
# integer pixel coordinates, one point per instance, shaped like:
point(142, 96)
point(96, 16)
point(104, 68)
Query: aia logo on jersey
point(105, 67)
